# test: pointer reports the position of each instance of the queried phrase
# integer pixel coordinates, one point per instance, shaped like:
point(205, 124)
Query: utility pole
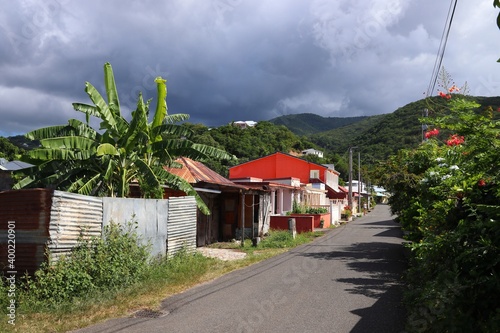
point(349, 198)
point(425, 114)
point(359, 182)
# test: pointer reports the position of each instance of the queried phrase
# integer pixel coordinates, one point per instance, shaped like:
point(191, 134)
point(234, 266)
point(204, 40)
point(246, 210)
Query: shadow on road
point(377, 273)
point(385, 316)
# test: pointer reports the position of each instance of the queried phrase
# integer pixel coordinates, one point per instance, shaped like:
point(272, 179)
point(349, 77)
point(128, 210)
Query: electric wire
point(439, 58)
point(442, 47)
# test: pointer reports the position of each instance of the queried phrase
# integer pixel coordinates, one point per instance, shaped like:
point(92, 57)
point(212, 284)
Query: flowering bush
point(446, 196)
point(347, 211)
point(430, 134)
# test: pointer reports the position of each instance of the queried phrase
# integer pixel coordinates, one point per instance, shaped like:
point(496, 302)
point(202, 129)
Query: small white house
point(313, 152)
point(244, 124)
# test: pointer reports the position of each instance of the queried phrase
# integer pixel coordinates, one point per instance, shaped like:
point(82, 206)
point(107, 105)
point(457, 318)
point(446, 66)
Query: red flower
point(455, 140)
point(481, 183)
point(430, 134)
point(444, 95)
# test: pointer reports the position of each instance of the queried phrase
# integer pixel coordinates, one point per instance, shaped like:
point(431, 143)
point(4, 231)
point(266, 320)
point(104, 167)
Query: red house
point(283, 166)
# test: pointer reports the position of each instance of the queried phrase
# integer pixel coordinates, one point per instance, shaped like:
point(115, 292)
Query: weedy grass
point(113, 276)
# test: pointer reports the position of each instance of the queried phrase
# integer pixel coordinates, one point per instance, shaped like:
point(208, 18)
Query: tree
point(77, 158)
point(8, 150)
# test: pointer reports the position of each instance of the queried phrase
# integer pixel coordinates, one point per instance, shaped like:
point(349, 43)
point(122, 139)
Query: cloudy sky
point(228, 60)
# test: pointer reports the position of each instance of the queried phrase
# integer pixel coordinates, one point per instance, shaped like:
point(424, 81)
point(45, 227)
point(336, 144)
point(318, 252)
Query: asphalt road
point(346, 281)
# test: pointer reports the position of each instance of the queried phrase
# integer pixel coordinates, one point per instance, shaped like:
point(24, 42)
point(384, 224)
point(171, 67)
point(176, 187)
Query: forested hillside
point(310, 123)
point(255, 142)
point(376, 137)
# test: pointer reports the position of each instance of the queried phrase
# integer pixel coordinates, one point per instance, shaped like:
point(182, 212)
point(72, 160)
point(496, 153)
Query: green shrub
point(316, 210)
point(115, 260)
point(279, 239)
point(446, 196)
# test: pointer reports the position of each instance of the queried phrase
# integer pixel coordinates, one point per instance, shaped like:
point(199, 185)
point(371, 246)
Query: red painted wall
point(302, 223)
point(278, 165)
point(317, 219)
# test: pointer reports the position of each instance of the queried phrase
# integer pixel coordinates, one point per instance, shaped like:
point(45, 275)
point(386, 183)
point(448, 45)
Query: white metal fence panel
point(148, 216)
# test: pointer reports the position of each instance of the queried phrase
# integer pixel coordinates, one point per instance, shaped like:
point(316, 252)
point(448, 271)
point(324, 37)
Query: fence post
point(291, 227)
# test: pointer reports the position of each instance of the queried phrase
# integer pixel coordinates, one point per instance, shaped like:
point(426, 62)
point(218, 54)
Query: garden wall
point(50, 222)
point(304, 223)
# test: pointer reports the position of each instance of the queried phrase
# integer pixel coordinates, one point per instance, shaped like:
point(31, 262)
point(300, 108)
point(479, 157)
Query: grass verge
point(161, 279)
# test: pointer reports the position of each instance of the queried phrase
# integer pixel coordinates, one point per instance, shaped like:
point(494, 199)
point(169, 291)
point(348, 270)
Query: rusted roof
point(195, 172)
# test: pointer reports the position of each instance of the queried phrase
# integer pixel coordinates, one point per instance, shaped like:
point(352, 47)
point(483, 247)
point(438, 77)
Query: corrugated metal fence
point(181, 225)
point(149, 216)
point(52, 221)
point(72, 216)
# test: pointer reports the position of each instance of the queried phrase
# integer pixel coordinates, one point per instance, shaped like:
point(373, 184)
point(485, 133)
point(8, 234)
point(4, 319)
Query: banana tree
point(77, 158)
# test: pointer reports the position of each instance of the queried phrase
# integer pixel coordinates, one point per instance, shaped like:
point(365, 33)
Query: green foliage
point(309, 123)
point(8, 150)
point(279, 239)
point(113, 261)
point(77, 158)
point(446, 196)
point(249, 143)
point(316, 210)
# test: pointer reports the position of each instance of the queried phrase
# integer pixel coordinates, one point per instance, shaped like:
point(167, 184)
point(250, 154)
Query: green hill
point(310, 123)
point(377, 137)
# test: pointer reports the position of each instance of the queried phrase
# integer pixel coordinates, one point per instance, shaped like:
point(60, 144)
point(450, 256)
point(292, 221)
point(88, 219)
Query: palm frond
point(175, 118)
point(172, 129)
point(59, 154)
point(111, 92)
point(178, 183)
point(107, 149)
point(88, 187)
point(46, 132)
point(89, 110)
point(68, 142)
point(108, 117)
point(212, 152)
point(161, 102)
point(82, 129)
point(147, 173)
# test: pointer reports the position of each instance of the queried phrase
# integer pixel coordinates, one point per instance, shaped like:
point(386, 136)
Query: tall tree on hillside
point(77, 158)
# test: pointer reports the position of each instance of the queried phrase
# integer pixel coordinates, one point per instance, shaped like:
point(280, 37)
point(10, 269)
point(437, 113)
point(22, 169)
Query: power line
point(439, 58)
point(442, 47)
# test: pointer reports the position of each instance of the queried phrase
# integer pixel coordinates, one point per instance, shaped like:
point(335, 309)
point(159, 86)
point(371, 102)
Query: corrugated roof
point(196, 172)
point(14, 165)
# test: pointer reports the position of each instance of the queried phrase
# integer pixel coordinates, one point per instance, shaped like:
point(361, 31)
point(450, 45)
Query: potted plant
point(346, 213)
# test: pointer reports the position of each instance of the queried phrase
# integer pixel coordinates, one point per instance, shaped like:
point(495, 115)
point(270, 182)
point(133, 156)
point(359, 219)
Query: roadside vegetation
point(114, 276)
point(446, 196)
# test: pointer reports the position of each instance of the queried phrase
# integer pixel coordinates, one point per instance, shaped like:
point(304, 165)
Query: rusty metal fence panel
point(181, 225)
point(51, 222)
point(72, 216)
point(27, 213)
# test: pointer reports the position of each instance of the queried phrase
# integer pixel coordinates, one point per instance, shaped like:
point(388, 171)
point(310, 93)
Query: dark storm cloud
point(227, 60)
